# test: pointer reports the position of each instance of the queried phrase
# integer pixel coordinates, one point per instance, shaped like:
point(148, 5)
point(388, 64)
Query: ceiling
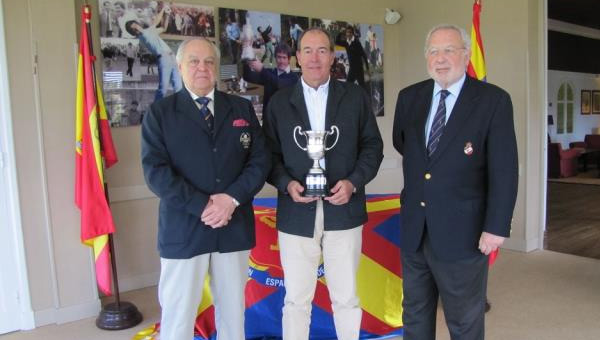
point(579, 12)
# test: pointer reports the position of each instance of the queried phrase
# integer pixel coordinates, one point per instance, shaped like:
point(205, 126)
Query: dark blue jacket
point(356, 156)
point(184, 164)
point(270, 80)
point(469, 184)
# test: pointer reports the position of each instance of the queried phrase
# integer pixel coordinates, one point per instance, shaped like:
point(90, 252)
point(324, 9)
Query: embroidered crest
point(468, 149)
point(245, 139)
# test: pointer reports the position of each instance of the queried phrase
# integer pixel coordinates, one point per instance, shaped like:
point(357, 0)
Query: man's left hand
point(488, 243)
point(341, 192)
point(218, 214)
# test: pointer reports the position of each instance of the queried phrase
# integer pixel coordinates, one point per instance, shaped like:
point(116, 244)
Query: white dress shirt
point(316, 105)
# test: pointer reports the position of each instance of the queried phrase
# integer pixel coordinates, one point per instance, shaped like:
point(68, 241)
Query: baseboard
point(67, 314)
point(139, 281)
point(521, 245)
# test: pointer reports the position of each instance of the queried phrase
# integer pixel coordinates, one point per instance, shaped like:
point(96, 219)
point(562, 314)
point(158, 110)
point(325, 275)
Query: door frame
point(14, 266)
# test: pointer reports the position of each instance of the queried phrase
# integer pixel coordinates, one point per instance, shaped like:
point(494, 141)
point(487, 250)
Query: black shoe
point(488, 305)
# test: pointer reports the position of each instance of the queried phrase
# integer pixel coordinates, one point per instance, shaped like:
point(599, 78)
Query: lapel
point(334, 97)
point(297, 101)
point(186, 106)
point(422, 108)
point(460, 113)
point(223, 109)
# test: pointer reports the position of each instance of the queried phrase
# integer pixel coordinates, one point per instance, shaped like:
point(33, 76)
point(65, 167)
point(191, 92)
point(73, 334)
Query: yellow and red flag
point(93, 142)
point(476, 68)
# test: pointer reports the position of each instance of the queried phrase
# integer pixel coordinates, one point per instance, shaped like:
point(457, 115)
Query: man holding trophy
point(326, 147)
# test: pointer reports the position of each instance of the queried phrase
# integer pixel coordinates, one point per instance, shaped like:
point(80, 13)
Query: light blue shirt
point(233, 31)
point(450, 100)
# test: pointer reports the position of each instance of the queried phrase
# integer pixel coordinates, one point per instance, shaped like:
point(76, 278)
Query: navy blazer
point(184, 164)
point(270, 80)
point(469, 184)
point(356, 156)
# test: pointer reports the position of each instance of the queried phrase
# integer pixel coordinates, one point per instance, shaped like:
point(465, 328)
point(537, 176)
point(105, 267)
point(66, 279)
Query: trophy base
point(315, 193)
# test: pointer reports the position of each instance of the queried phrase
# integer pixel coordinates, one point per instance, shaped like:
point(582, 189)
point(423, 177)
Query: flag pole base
point(115, 316)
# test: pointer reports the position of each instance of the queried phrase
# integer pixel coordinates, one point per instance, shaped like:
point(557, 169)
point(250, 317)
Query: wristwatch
point(235, 202)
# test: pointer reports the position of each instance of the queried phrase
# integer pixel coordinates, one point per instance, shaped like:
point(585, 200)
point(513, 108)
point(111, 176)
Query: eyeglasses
point(449, 51)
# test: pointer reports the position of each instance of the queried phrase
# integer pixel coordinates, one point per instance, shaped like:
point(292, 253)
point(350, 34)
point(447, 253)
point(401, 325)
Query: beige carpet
point(542, 295)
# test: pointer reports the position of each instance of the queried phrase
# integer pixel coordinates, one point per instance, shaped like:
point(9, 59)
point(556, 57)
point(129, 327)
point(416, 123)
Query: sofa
point(589, 142)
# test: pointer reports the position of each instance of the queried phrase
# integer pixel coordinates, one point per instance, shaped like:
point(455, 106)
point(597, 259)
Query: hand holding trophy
point(315, 182)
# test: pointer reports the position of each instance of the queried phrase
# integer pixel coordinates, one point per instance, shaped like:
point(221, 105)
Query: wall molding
point(139, 281)
point(67, 314)
point(522, 245)
point(129, 193)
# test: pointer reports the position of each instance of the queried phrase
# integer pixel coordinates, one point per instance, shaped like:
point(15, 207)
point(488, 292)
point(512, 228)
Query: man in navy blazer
point(457, 139)
point(309, 227)
point(272, 79)
point(204, 156)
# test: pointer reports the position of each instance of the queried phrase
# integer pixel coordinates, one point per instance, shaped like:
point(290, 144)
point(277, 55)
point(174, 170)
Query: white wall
point(582, 124)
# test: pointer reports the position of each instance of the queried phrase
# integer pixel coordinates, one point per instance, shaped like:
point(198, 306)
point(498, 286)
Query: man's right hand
point(255, 65)
point(295, 189)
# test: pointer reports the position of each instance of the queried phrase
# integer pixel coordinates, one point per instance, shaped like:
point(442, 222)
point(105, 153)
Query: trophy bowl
point(315, 182)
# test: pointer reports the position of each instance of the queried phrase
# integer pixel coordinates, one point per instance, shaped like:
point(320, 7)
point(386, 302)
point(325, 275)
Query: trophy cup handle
point(298, 130)
point(337, 136)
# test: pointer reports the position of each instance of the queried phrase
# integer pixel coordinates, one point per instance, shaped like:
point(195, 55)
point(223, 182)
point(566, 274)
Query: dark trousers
point(461, 285)
point(130, 66)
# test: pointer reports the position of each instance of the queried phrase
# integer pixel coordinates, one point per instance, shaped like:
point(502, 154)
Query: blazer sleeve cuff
point(197, 204)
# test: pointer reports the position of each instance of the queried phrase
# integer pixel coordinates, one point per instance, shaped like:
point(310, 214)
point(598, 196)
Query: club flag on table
point(93, 143)
point(476, 67)
point(379, 281)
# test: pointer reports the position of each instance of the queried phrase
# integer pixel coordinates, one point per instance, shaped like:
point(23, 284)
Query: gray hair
point(466, 40)
point(316, 29)
point(181, 48)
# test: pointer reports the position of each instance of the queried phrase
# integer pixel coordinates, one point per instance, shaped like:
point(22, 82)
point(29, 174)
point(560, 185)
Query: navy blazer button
point(218, 180)
point(215, 150)
point(427, 176)
point(422, 204)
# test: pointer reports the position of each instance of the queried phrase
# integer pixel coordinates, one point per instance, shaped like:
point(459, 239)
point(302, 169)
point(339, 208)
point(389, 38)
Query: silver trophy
point(315, 183)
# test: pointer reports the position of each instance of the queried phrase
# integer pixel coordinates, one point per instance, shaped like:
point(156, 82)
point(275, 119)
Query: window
point(564, 109)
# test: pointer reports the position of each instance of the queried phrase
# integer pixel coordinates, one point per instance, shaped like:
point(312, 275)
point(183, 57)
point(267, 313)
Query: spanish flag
point(93, 143)
point(476, 67)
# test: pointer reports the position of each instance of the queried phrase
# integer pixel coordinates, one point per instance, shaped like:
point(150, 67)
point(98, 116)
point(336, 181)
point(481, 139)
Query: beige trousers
point(300, 258)
point(180, 293)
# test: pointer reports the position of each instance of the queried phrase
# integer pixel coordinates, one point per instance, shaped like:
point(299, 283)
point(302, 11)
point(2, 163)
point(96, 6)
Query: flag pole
point(117, 315)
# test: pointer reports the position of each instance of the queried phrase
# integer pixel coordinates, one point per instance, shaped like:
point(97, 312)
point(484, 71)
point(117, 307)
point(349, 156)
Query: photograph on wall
point(292, 27)
point(586, 99)
point(358, 56)
point(255, 58)
point(595, 102)
point(138, 41)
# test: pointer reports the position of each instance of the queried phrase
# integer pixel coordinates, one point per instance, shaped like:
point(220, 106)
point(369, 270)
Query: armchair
point(562, 163)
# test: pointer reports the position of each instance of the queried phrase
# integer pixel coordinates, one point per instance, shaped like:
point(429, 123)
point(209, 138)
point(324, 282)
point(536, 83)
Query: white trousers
point(180, 293)
point(300, 258)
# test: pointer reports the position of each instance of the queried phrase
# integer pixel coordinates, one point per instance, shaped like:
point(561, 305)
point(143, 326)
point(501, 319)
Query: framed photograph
point(586, 99)
point(596, 102)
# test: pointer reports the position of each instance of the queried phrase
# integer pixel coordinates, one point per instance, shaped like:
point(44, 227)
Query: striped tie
point(206, 114)
point(439, 121)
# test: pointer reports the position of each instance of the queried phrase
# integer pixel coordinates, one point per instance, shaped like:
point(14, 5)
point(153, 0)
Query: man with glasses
point(204, 156)
point(457, 139)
